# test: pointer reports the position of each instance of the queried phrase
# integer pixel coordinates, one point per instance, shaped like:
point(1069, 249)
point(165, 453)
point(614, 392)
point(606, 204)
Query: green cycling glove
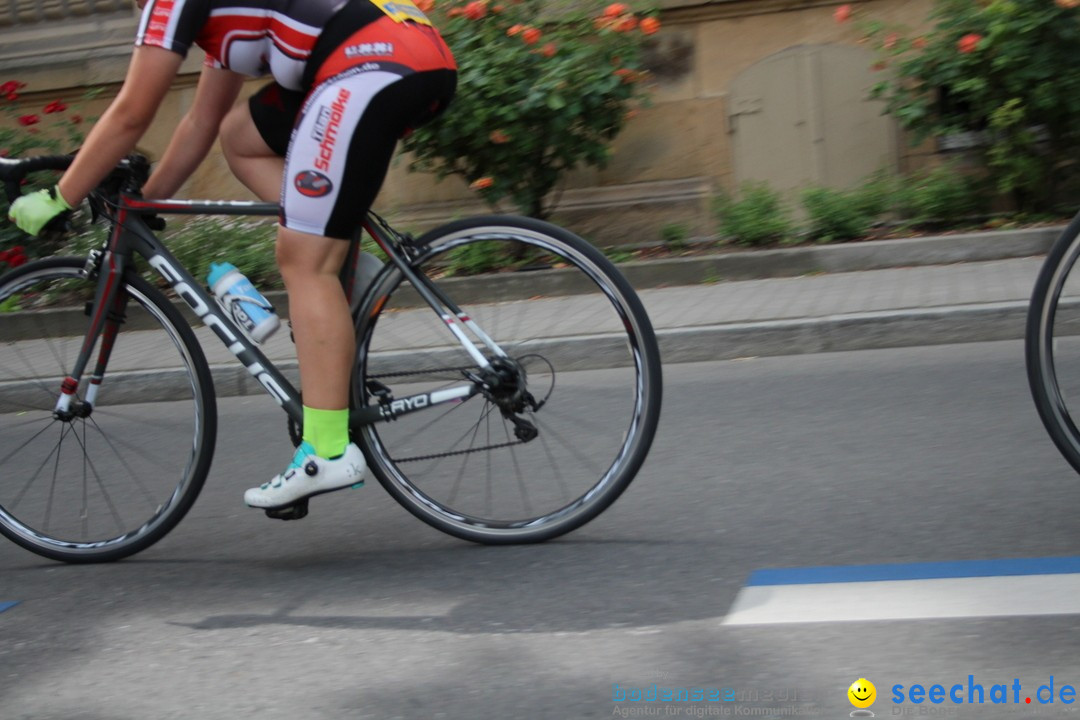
point(34, 211)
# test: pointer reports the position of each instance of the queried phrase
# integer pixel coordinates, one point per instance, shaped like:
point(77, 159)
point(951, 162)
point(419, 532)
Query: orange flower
point(455, 12)
point(969, 43)
point(498, 137)
point(842, 14)
point(649, 25)
point(627, 75)
point(498, 9)
point(918, 43)
point(890, 41)
point(531, 36)
point(603, 23)
point(879, 66)
point(631, 114)
point(1067, 4)
point(482, 183)
point(476, 9)
point(514, 30)
point(425, 5)
point(614, 10)
point(549, 50)
point(626, 24)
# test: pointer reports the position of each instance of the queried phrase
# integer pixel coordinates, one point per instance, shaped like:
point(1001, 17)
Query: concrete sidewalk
point(874, 308)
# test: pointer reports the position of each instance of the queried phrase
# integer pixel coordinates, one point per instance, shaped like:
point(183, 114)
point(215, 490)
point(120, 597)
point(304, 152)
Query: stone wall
point(667, 165)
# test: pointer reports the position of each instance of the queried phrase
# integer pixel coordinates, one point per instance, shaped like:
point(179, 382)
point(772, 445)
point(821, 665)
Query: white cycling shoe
point(309, 475)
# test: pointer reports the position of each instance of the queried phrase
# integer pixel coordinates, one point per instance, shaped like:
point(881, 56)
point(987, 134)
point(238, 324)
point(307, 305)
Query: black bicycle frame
point(131, 235)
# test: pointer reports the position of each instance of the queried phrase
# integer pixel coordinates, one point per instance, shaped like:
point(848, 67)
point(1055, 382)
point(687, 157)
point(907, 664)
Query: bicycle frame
point(131, 235)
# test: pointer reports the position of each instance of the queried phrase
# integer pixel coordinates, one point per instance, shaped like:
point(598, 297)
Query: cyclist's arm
point(194, 136)
point(148, 78)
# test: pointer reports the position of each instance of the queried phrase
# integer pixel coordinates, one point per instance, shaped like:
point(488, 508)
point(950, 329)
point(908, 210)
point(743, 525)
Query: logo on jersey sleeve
point(312, 184)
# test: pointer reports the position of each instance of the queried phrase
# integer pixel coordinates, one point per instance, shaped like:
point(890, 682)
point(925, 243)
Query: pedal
point(296, 511)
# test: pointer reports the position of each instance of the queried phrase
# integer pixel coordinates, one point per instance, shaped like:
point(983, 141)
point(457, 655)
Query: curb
point(846, 257)
point(856, 331)
point(731, 266)
point(837, 333)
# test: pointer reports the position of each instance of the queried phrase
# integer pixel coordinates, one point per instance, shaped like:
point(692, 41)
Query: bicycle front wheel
point(1052, 343)
point(577, 340)
point(113, 477)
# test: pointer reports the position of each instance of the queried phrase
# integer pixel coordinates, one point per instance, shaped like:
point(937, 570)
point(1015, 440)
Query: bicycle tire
point(77, 503)
point(1052, 345)
point(603, 362)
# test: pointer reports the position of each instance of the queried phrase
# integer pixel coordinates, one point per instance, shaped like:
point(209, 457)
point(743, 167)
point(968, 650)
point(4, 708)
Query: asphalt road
point(362, 611)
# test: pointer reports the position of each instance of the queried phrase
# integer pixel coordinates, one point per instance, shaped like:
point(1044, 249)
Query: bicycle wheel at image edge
point(576, 333)
point(1052, 342)
point(115, 478)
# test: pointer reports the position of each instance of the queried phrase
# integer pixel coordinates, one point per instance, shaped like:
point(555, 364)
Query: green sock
point(327, 431)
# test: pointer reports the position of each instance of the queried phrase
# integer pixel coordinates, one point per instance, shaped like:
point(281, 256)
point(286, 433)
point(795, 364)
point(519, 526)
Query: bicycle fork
point(109, 306)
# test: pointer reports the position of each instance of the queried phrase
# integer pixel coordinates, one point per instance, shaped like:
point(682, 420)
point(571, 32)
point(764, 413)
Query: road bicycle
point(515, 422)
point(1052, 342)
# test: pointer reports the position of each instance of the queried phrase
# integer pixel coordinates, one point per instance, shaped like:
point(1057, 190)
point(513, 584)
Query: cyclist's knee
point(302, 255)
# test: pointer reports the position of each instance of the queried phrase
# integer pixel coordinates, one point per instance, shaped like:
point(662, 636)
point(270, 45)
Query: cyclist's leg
point(255, 138)
point(321, 208)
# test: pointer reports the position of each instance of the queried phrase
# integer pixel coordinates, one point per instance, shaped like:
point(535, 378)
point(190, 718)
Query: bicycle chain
point(452, 453)
point(403, 373)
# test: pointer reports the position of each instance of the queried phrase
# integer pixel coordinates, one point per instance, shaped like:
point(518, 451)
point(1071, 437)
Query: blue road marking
point(7, 605)
point(916, 571)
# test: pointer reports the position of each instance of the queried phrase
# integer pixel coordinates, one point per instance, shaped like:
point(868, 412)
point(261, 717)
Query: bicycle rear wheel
point(1052, 343)
point(580, 337)
point(107, 483)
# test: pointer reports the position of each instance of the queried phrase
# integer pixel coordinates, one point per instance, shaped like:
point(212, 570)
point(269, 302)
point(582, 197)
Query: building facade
point(770, 90)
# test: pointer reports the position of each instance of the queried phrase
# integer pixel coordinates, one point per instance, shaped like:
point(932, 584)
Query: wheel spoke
point(56, 449)
point(150, 501)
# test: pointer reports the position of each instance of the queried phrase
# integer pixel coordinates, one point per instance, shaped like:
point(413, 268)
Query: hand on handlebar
point(34, 211)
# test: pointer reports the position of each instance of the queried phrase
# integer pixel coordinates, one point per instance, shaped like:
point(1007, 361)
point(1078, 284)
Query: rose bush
point(1001, 69)
point(48, 129)
point(537, 96)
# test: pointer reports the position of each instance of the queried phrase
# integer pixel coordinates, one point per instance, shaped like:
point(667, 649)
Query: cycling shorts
point(368, 87)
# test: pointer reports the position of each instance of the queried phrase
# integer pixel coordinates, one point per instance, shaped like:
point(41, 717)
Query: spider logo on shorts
point(313, 184)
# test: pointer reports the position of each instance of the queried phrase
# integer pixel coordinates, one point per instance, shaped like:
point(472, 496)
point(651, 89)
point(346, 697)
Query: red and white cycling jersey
point(251, 37)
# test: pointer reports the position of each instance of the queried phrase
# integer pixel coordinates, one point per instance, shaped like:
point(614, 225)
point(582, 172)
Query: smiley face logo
point(862, 693)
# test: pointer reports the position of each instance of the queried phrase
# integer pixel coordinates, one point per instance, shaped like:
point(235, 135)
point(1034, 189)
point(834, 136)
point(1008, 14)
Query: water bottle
point(244, 304)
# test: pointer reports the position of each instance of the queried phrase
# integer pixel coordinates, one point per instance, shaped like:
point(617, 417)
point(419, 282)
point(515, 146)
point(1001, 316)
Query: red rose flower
point(842, 14)
point(969, 43)
point(476, 10)
point(649, 26)
point(54, 107)
point(29, 120)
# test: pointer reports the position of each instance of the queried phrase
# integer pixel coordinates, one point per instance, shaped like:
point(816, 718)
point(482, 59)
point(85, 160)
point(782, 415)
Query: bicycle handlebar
point(12, 171)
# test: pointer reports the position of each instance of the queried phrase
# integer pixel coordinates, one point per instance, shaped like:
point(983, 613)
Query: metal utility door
point(802, 117)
